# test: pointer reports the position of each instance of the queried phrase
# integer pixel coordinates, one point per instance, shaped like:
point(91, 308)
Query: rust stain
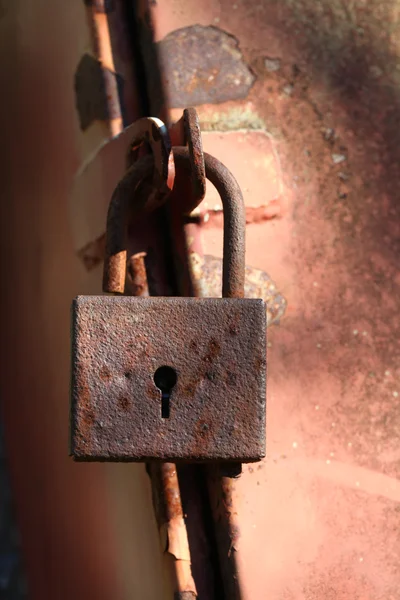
point(193, 345)
point(170, 485)
point(152, 392)
point(213, 350)
point(189, 188)
point(105, 374)
point(234, 325)
point(231, 378)
point(124, 403)
point(84, 418)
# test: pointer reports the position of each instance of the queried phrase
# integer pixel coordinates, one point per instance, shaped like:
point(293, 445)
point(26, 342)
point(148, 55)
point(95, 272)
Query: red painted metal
point(322, 507)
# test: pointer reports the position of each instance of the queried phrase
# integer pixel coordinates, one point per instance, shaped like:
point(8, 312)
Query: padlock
point(173, 379)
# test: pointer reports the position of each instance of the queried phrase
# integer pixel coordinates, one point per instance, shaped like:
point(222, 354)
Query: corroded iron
point(216, 346)
point(155, 134)
point(172, 528)
point(234, 220)
point(122, 202)
point(136, 277)
point(189, 188)
point(120, 210)
point(152, 132)
point(203, 65)
point(195, 145)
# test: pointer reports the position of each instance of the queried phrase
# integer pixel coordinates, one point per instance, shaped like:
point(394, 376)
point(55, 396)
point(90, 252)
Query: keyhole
point(165, 379)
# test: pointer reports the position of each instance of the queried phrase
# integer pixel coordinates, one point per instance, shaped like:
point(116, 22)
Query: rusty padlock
point(171, 378)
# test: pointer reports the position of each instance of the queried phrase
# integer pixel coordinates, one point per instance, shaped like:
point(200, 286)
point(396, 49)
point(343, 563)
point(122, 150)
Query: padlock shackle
point(233, 268)
point(123, 207)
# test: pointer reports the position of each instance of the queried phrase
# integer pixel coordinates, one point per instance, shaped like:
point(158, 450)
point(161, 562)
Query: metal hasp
point(212, 350)
point(215, 346)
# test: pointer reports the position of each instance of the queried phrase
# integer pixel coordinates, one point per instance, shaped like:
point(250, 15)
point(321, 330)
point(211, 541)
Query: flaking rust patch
point(207, 271)
point(203, 65)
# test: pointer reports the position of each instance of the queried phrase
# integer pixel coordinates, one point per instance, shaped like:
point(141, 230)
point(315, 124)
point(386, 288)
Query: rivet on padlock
point(171, 378)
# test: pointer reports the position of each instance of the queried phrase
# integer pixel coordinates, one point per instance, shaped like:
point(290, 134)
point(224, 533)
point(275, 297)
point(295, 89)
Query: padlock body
point(216, 408)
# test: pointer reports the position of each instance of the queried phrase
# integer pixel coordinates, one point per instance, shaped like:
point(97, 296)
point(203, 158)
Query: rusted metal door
point(300, 102)
point(305, 119)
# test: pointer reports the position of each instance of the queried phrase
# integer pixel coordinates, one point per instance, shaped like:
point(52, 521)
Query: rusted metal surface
point(234, 220)
point(125, 60)
point(311, 515)
point(136, 275)
point(172, 529)
point(221, 481)
point(217, 349)
point(228, 185)
point(189, 189)
point(201, 65)
point(153, 131)
point(149, 56)
point(193, 139)
point(93, 187)
point(97, 85)
point(164, 479)
point(207, 273)
point(218, 484)
point(200, 528)
point(123, 203)
point(94, 101)
point(327, 92)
